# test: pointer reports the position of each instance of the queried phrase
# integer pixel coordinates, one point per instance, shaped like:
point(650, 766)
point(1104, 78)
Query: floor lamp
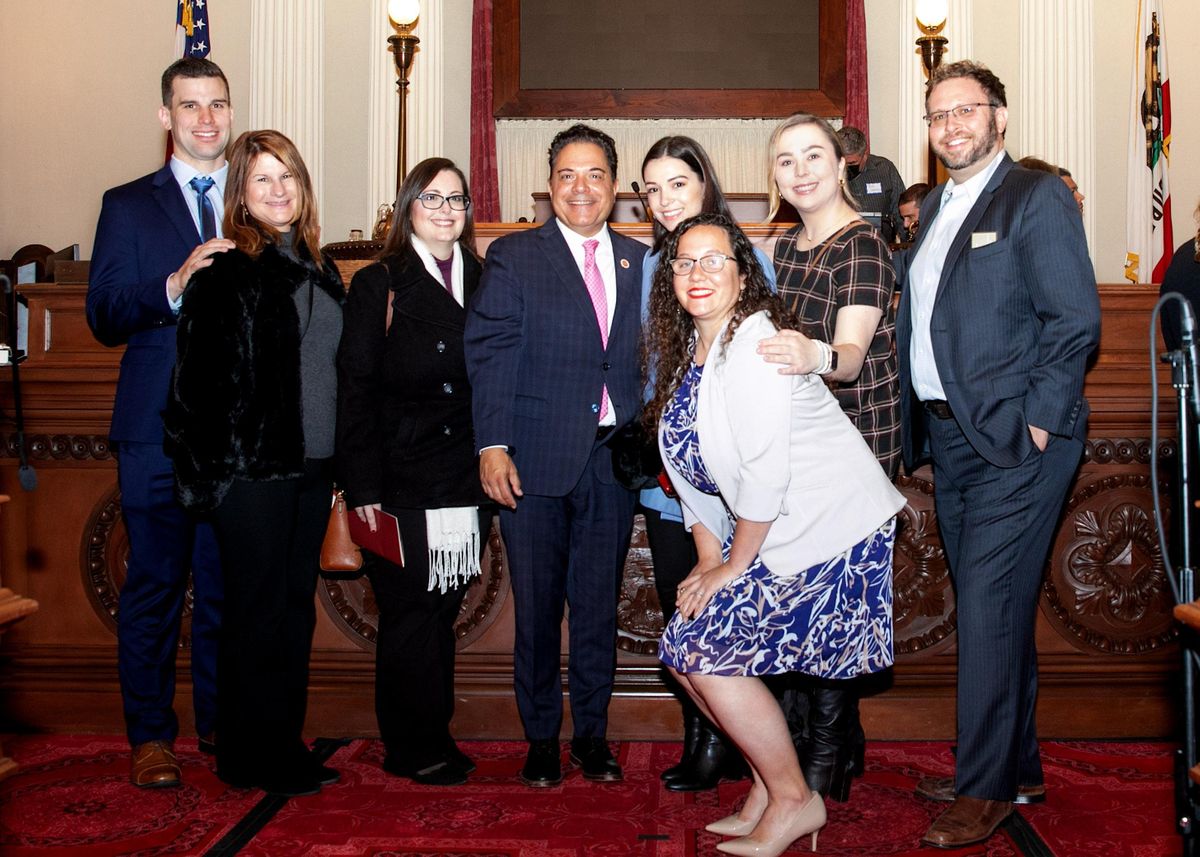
point(404, 14)
point(931, 19)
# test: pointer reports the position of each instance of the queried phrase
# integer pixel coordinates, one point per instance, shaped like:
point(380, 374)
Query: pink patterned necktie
point(595, 287)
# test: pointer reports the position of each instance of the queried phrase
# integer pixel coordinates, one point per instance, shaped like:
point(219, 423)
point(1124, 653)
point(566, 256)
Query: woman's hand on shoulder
point(366, 514)
point(798, 354)
point(701, 585)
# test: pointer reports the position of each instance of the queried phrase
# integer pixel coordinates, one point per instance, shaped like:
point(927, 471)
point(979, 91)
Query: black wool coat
point(404, 433)
point(234, 409)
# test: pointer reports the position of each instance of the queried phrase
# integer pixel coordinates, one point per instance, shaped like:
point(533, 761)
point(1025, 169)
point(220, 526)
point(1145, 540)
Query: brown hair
point(794, 121)
point(251, 235)
point(691, 153)
point(399, 238)
point(977, 72)
point(1031, 163)
point(189, 67)
point(667, 352)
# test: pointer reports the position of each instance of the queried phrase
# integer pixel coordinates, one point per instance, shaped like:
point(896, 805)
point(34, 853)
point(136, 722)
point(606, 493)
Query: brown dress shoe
point(942, 788)
point(154, 765)
point(967, 821)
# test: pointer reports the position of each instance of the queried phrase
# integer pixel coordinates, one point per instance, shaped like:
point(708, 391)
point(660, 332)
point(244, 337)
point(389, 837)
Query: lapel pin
point(624, 263)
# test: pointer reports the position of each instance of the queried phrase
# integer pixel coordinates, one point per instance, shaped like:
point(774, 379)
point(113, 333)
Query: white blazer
point(780, 449)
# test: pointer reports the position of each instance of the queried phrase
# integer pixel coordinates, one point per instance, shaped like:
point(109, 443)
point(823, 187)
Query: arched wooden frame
point(510, 100)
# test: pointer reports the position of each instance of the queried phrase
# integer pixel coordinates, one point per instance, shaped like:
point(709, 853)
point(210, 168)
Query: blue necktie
point(208, 220)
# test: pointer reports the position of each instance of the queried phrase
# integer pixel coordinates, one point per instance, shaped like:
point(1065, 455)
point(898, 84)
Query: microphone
point(645, 208)
point(1187, 340)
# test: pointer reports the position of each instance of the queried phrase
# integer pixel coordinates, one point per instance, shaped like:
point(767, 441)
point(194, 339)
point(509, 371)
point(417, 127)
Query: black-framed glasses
point(962, 111)
point(458, 201)
point(711, 263)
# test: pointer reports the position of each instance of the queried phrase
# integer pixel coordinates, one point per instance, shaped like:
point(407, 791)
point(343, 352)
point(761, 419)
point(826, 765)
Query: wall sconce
point(931, 19)
point(403, 14)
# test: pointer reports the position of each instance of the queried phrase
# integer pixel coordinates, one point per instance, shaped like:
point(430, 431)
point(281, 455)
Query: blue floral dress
point(833, 620)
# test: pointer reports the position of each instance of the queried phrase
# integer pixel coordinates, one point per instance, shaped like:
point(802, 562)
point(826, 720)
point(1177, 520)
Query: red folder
point(384, 542)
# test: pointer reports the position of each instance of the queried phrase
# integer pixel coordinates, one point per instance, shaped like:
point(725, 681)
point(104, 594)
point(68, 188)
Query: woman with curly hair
point(792, 518)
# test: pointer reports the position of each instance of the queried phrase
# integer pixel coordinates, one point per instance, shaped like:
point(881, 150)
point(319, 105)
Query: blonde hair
point(839, 153)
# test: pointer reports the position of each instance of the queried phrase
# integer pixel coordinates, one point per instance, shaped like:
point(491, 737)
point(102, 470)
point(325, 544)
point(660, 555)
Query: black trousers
point(414, 648)
point(673, 552)
point(269, 534)
point(997, 525)
point(568, 550)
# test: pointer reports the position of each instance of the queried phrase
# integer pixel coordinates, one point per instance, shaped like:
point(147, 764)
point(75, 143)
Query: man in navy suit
point(998, 316)
point(153, 234)
point(551, 343)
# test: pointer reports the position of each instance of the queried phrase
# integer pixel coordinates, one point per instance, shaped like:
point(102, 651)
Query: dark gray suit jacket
point(1014, 320)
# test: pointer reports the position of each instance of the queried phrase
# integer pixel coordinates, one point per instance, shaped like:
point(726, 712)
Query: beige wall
point(80, 120)
point(80, 110)
point(995, 39)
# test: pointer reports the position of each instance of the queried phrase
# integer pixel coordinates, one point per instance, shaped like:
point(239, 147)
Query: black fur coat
point(234, 407)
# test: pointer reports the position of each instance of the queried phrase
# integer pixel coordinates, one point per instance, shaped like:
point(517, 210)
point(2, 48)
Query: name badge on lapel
point(625, 263)
point(982, 239)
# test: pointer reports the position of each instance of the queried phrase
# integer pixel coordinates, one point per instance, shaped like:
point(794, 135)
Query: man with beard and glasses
point(998, 316)
point(874, 181)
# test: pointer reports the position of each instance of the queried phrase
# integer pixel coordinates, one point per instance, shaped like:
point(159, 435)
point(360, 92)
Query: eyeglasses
point(458, 201)
point(711, 263)
point(962, 111)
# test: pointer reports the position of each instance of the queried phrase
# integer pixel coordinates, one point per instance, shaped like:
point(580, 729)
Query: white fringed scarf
point(453, 536)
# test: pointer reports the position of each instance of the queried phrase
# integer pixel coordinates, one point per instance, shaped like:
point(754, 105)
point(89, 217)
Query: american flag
point(191, 29)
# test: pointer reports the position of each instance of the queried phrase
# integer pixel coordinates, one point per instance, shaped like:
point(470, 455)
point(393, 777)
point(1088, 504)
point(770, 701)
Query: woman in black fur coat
point(250, 425)
point(406, 445)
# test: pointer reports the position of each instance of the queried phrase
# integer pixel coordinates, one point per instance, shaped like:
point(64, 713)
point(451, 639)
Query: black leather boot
point(707, 763)
point(692, 726)
point(828, 757)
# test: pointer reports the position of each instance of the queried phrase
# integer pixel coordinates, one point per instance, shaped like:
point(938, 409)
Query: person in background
point(681, 183)
point(873, 181)
point(792, 518)
point(552, 355)
point(1183, 276)
point(250, 425)
point(910, 209)
point(1069, 181)
point(835, 273)
point(153, 234)
point(405, 444)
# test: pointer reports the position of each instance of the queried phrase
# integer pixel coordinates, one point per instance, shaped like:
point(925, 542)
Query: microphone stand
point(25, 474)
point(1181, 373)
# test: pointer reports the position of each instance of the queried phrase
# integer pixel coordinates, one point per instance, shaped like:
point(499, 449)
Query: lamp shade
point(404, 12)
point(930, 13)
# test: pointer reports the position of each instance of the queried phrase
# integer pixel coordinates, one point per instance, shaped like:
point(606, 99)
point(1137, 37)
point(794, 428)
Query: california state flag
point(1148, 240)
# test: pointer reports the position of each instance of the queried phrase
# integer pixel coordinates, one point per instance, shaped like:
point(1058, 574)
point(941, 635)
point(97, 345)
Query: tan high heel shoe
point(733, 825)
point(810, 819)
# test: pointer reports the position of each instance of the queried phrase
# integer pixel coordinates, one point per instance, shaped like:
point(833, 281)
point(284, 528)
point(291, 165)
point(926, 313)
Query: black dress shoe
point(596, 760)
point(441, 772)
point(297, 784)
point(207, 744)
point(325, 775)
point(460, 759)
point(543, 764)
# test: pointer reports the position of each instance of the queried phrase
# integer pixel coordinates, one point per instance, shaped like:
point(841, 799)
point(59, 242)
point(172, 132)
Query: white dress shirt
point(926, 272)
point(184, 173)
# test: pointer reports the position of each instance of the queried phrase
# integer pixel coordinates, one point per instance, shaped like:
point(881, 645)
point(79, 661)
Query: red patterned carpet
point(71, 796)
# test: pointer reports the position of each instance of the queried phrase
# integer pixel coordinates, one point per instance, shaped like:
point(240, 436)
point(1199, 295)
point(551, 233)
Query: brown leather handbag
point(338, 551)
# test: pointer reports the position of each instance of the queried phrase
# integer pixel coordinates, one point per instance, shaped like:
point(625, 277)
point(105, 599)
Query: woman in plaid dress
point(835, 272)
